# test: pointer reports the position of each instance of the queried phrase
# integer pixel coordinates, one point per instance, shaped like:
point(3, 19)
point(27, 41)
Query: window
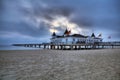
point(66, 40)
point(73, 39)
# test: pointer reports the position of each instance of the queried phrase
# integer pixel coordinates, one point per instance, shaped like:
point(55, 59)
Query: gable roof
point(54, 34)
point(66, 31)
point(93, 35)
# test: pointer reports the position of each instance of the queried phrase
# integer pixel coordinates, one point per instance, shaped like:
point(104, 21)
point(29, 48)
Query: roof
point(54, 34)
point(67, 32)
point(93, 35)
point(74, 35)
point(78, 35)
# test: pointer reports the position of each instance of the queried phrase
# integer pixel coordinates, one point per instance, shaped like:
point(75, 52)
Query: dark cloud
point(83, 22)
point(49, 12)
point(24, 29)
point(63, 11)
point(1, 5)
point(117, 6)
point(103, 15)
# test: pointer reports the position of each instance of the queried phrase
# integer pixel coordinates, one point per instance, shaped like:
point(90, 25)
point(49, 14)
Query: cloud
point(38, 18)
point(52, 17)
point(15, 37)
point(62, 11)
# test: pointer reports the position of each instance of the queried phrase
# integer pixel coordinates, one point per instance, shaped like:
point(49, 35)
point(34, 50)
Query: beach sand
point(101, 64)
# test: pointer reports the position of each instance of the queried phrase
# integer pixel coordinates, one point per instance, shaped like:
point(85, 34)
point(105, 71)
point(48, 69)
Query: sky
point(33, 21)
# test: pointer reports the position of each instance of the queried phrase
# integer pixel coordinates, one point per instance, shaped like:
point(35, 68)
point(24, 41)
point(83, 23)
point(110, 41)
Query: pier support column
point(112, 46)
point(79, 47)
point(50, 46)
point(35, 46)
point(71, 47)
point(62, 47)
point(44, 46)
point(57, 46)
point(53, 46)
point(85, 46)
point(75, 47)
point(102, 46)
point(39, 46)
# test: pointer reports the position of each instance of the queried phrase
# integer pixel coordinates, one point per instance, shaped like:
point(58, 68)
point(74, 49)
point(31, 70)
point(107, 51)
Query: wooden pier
point(77, 46)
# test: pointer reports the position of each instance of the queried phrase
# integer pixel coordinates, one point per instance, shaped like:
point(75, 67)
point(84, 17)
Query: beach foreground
point(101, 64)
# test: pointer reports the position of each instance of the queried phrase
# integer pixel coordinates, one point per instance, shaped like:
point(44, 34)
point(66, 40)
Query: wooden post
point(79, 47)
point(75, 47)
point(57, 46)
point(39, 46)
point(62, 47)
point(44, 46)
point(50, 46)
point(71, 47)
point(112, 46)
point(35, 46)
point(102, 46)
point(85, 46)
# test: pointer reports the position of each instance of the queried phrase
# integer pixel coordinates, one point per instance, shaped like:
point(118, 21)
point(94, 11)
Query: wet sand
point(101, 64)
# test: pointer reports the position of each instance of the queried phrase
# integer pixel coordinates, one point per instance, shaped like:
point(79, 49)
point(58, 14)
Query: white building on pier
point(68, 38)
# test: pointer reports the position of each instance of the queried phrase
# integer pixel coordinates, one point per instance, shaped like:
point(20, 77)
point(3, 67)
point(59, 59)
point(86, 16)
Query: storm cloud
point(36, 19)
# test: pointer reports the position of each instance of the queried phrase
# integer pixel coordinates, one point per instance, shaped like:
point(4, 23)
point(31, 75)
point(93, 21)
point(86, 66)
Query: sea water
point(10, 47)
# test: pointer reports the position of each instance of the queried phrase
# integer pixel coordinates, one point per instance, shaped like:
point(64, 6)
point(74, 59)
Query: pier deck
point(77, 46)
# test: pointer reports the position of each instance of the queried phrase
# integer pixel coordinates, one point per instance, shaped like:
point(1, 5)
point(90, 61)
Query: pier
point(77, 46)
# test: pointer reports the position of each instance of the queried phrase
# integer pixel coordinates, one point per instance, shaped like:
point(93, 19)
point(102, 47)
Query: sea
point(11, 47)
